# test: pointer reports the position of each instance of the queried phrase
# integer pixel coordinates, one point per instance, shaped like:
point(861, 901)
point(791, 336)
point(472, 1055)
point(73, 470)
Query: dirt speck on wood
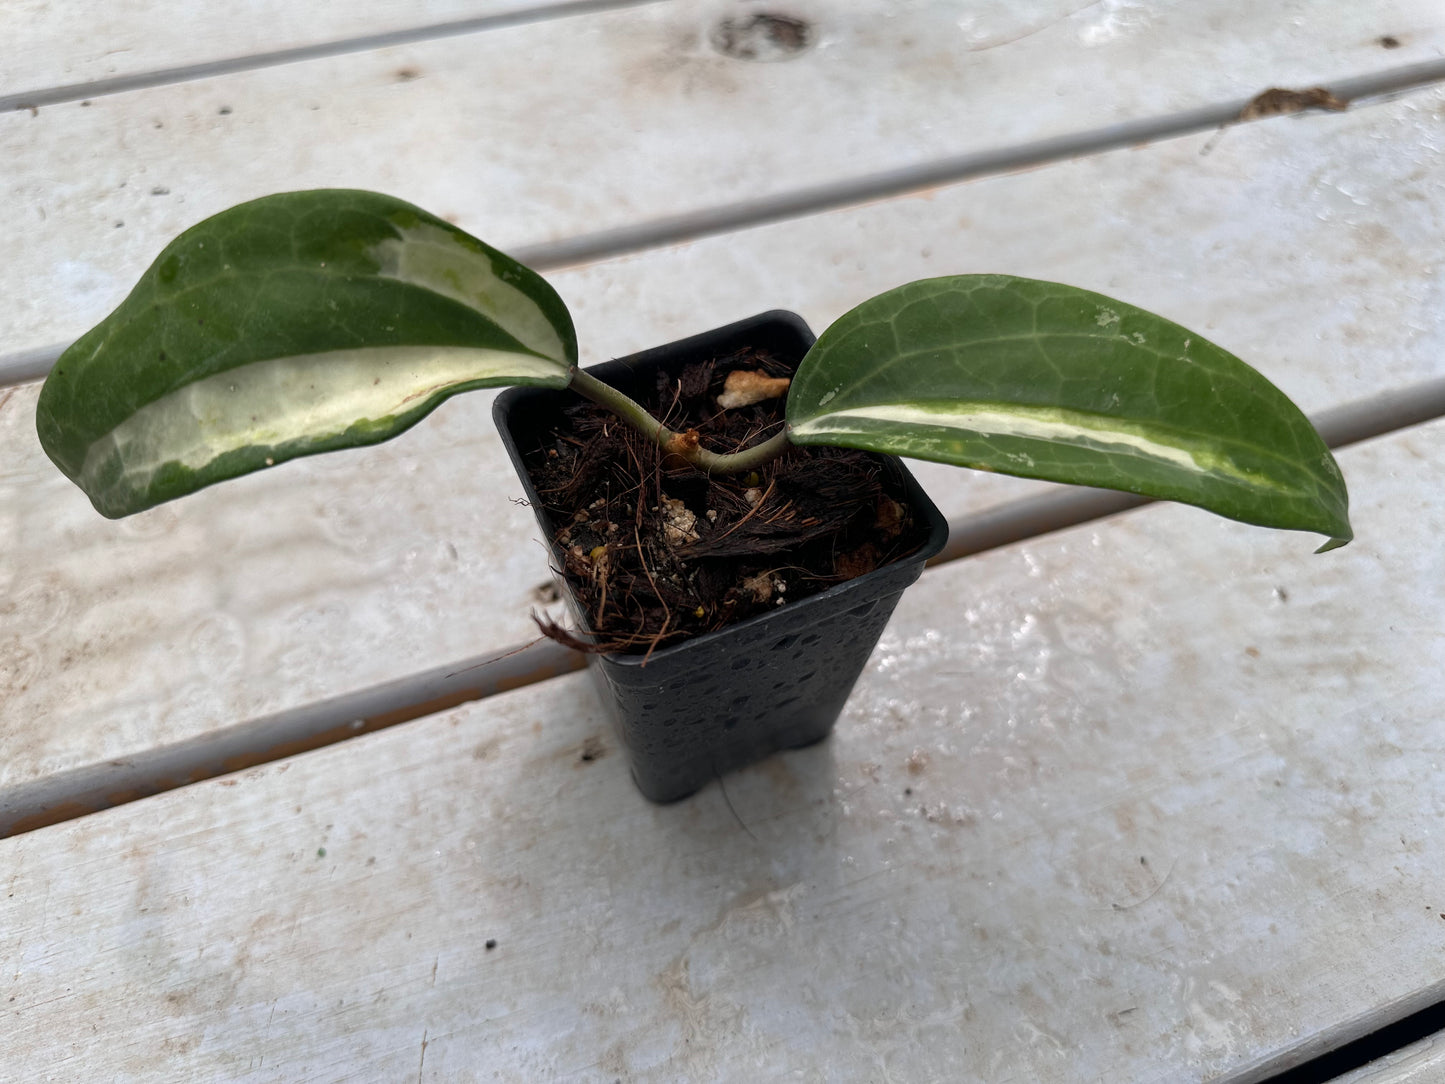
point(1277, 101)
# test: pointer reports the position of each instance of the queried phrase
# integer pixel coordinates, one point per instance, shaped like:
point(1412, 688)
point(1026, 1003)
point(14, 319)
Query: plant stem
point(682, 444)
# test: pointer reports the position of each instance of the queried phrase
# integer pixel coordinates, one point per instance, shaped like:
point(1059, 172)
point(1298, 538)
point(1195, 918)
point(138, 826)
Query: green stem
point(677, 443)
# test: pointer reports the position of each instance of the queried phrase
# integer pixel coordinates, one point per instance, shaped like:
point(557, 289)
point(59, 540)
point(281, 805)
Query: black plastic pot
point(776, 681)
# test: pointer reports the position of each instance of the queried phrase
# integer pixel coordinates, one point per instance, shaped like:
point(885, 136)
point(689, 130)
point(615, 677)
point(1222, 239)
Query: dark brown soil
point(656, 550)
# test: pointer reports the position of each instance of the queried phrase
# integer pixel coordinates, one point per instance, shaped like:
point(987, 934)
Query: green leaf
point(294, 324)
point(1048, 381)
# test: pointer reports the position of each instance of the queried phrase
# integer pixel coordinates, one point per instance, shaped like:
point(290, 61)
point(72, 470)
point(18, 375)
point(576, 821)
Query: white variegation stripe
point(313, 396)
point(438, 260)
point(1039, 423)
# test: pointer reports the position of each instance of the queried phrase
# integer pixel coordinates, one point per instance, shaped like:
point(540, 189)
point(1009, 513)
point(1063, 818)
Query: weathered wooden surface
point(952, 887)
point(1311, 254)
point(1151, 800)
point(464, 126)
point(1419, 1063)
point(51, 45)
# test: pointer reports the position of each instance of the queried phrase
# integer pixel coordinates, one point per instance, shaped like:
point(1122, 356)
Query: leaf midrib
point(1295, 466)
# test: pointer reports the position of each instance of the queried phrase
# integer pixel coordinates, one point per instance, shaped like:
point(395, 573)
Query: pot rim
point(922, 505)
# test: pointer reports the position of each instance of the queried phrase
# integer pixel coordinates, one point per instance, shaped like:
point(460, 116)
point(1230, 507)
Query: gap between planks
point(1350, 1044)
point(186, 73)
point(75, 793)
point(33, 364)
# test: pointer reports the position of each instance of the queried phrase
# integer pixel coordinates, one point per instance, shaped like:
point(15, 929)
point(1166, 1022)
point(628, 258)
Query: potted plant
point(312, 321)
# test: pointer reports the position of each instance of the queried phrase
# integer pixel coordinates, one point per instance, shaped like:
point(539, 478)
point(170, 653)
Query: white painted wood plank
point(649, 120)
point(1151, 801)
point(58, 45)
point(50, 45)
point(1311, 254)
point(1419, 1063)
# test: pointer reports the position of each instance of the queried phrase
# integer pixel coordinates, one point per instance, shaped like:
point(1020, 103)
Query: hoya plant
point(312, 321)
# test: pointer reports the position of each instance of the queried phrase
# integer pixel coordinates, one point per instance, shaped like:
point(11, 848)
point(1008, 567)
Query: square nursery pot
point(778, 680)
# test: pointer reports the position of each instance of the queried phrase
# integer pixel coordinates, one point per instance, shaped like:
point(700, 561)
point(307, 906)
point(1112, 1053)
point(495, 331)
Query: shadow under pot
point(689, 710)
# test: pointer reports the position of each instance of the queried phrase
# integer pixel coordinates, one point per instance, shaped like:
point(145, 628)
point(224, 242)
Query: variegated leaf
point(294, 324)
point(1049, 381)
